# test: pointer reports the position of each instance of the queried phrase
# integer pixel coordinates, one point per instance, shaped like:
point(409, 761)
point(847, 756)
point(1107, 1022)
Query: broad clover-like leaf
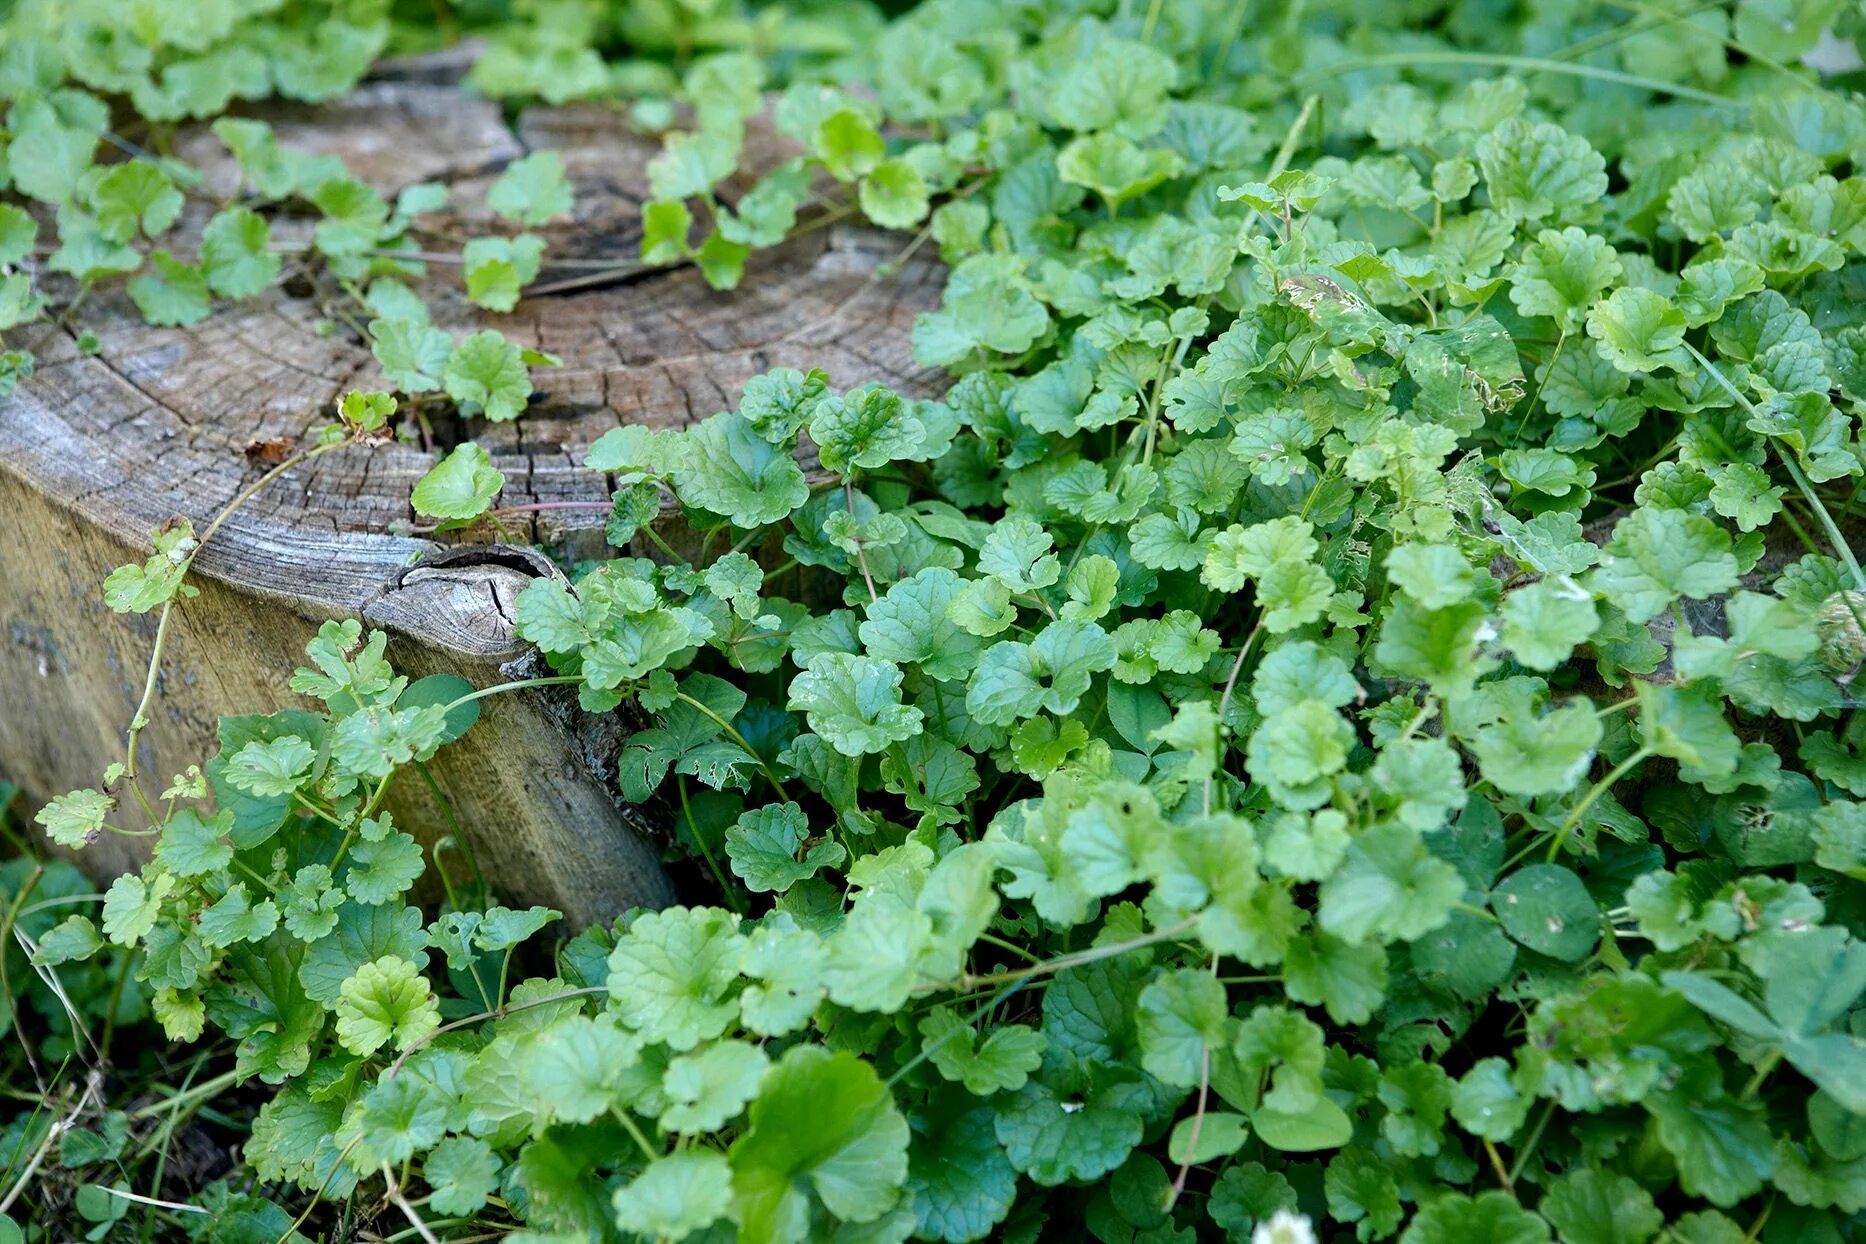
point(276, 767)
point(498, 269)
point(1659, 555)
point(676, 1195)
point(1050, 674)
point(1561, 274)
point(461, 935)
point(372, 743)
point(355, 216)
point(615, 624)
point(1073, 1123)
point(1492, 1215)
point(345, 663)
point(912, 624)
point(531, 190)
point(1523, 745)
point(910, 925)
point(670, 975)
point(486, 374)
point(1019, 553)
point(133, 904)
point(385, 1001)
point(732, 471)
point(75, 819)
point(578, 1069)
point(785, 964)
point(1180, 1015)
point(1239, 553)
point(1391, 889)
point(710, 1086)
point(1638, 330)
point(462, 1172)
point(383, 864)
point(931, 775)
point(138, 589)
point(959, 1181)
point(1001, 1062)
point(311, 902)
point(871, 426)
point(459, 486)
point(235, 260)
point(763, 843)
point(1545, 621)
point(986, 310)
point(1810, 978)
point(1547, 908)
point(174, 294)
point(234, 917)
point(823, 1129)
point(135, 196)
point(73, 938)
point(1295, 751)
point(782, 401)
point(1538, 171)
point(413, 354)
point(854, 702)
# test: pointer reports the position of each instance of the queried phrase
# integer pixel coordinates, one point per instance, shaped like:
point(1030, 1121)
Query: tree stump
point(96, 450)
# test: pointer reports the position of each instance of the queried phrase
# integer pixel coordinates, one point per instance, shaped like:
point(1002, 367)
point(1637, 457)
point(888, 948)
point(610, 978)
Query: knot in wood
point(464, 598)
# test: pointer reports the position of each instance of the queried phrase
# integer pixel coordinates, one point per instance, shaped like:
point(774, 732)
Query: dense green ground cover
point(1338, 725)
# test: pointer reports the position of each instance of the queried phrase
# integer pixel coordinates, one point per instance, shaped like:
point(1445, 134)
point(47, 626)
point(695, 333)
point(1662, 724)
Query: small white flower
point(1284, 1227)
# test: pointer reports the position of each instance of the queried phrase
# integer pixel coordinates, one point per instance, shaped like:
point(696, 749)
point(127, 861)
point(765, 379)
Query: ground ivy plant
point(1336, 724)
point(95, 92)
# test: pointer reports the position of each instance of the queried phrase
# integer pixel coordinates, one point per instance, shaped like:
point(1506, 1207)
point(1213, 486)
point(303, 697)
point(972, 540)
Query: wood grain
point(95, 450)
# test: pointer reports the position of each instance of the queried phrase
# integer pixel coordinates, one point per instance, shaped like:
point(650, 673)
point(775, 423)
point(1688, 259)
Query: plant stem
point(738, 738)
point(376, 797)
point(397, 1198)
point(140, 719)
point(496, 1013)
point(116, 1001)
point(1012, 947)
point(1762, 1220)
point(6, 988)
point(1794, 472)
point(731, 892)
point(296, 460)
point(1594, 792)
point(968, 982)
point(1287, 152)
point(1198, 1115)
point(453, 823)
point(1768, 1064)
point(318, 1196)
point(1660, 17)
point(1496, 1164)
point(1530, 64)
point(207, 1088)
point(1152, 22)
point(633, 1129)
point(1224, 699)
point(861, 558)
point(519, 684)
point(1529, 1144)
point(176, 1206)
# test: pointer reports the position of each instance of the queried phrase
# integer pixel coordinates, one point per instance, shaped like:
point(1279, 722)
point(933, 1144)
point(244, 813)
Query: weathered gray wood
point(97, 450)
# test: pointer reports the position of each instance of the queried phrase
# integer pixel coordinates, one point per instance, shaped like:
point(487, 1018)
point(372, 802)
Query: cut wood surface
point(95, 450)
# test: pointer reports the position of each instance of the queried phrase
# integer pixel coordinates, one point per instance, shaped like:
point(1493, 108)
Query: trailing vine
point(1339, 720)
